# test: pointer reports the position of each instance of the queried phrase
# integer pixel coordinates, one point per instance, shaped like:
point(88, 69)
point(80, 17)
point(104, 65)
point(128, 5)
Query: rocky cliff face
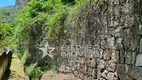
point(115, 28)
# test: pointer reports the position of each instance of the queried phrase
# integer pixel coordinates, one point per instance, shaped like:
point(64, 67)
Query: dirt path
point(16, 69)
point(52, 75)
point(17, 72)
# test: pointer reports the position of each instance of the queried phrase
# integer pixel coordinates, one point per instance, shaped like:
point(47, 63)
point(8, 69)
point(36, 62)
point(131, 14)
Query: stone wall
point(115, 27)
point(5, 60)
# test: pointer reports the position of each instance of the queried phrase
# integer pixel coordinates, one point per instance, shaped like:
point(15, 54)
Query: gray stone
point(101, 53)
point(117, 59)
point(89, 71)
point(135, 72)
point(107, 54)
point(125, 41)
point(81, 75)
point(122, 53)
point(85, 77)
point(113, 23)
point(118, 45)
point(91, 55)
point(117, 30)
point(128, 59)
point(135, 42)
point(114, 56)
point(90, 78)
point(115, 78)
point(96, 53)
point(110, 66)
point(117, 35)
point(93, 63)
point(101, 64)
point(103, 44)
point(94, 73)
point(104, 74)
point(65, 68)
point(139, 60)
point(99, 74)
point(110, 42)
point(122, 68)
point(124, 77)
point(140, 29)
point(110, 76)
point(75, 73)
point(133, 57)
point(140, 50)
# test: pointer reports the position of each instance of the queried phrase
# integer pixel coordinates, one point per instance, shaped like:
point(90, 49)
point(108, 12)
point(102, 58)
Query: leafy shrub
point(33, 72)
point(5, 35)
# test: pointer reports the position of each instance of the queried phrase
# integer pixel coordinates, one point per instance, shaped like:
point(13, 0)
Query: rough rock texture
point(114, 26)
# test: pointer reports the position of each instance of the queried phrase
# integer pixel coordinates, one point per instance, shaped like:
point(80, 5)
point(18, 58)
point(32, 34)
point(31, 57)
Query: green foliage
point(68, 1)
point(5, 35)
point(24, 57)
point(118, 46)
point(110, 10)
point(54, 67)
point(7, 14)
point(81, 2)
point(33, 72)
point(38, 19)
point(37, 16)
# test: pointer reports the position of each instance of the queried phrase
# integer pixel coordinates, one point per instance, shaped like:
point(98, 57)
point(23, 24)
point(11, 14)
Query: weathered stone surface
point(122, 68)
point(140, 50)
point(124, 77)
point(125, 40)
point(110, 42)
point(135, 72)
point(103, 44)
point(104, 74)
point(117, 32)
point(75, 73)
point(140, 29)
point(89, 71)
point(133, 57)
point(90, 78)
point(115, 78)
point(99, 74)
point(101, 64)
point(107, 54)
point(100, 53)
point(110, 76)
point(115, 36)
point(117, 57)
point(118, 44)
point(114, 56)
point(134, 45)
point(122, 54)
point(93, 63)
point(139, 60)
point(65, 68)
point(94, 73)
point(128, 59)
point(110, 66)
point(81, 76)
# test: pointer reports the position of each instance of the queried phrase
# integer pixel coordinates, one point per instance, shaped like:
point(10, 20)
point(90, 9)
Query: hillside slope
point(7, 14)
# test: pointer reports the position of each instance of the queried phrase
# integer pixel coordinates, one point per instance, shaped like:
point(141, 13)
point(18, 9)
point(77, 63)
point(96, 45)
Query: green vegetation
point(35, 21)
point(5, 35)
point(7, 14)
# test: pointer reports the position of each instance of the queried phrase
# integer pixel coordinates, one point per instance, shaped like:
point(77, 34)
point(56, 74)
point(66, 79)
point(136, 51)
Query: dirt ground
point(52, 75)
point(17, 72)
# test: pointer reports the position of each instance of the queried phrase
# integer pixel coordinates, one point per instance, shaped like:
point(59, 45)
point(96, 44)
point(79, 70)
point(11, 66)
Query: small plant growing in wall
point(118, 46)
point(110, 9)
